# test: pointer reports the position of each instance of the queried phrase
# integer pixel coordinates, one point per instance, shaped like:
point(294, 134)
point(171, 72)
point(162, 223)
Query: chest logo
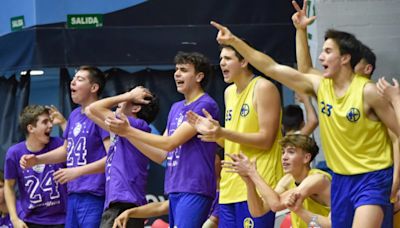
point(244, 111)
point(77, 129)
point(353, 115)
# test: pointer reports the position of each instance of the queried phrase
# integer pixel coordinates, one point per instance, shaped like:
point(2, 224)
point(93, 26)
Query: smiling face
point(81, 87)
point(230, 65)
point(186, 78)
point(40, 130)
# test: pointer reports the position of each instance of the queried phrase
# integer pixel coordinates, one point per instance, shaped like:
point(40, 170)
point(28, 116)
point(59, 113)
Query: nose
point(321, 57)
point(222, 62)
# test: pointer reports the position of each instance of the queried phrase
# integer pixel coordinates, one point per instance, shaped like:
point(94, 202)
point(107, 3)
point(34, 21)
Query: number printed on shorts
point(77, 152)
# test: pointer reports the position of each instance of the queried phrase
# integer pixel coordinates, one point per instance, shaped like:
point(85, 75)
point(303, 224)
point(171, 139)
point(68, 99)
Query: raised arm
point(300, 22)
point(311, 117)
point(99, 110)
point(182, 134)
point(288, 76)
point(121, 127)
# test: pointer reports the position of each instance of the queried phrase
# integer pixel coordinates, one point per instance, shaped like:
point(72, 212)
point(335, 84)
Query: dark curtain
point(66, 104)
point(14, 97)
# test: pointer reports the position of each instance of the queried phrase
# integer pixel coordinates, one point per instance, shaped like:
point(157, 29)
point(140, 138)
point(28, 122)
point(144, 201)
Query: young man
point(126, 167)
point(42, 200)
point(85, 143)
point(190, 176)
point(361, 163)
point(310, 186)
point(253, 126)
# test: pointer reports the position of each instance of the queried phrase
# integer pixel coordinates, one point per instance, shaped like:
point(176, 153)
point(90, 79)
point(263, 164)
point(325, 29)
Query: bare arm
point(288, 76)
point(9, 195)
point(52, 157)
point(247, 169)
point(311, 117)
point(257, 206)
point(268, 109)
point(300, 22)
point(164, 142)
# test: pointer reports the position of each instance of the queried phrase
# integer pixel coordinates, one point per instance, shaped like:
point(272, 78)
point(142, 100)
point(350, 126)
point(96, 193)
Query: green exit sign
point(85, 20)
point(17, 23)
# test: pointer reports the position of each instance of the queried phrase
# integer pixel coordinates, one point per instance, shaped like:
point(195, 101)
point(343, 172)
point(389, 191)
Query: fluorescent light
point(33, 72)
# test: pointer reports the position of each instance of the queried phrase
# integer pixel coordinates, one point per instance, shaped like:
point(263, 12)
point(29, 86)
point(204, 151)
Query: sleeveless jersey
point(352, 143)
point(241, 116)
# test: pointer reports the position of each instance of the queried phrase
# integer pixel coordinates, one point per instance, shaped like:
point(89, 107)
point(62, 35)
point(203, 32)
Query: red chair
point(159, 223)
point(286, 222)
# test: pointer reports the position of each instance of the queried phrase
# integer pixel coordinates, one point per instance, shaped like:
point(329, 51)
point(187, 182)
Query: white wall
point(375, 22)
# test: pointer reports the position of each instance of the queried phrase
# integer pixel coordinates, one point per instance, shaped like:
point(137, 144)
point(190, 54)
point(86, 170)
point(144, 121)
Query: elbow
point(256, 212)
point(276, 207)
point(169, 145)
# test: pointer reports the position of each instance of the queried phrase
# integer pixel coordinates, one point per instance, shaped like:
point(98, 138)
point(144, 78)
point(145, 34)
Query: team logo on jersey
point(353, 115)
point(77, 129)
point(244, 111)
point(248, 223)
point(38, 168)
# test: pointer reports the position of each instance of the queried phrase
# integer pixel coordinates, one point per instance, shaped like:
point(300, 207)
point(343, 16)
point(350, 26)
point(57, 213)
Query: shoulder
point(139, 124)
point(370, 93)
point(16, 149)
point(264, 85)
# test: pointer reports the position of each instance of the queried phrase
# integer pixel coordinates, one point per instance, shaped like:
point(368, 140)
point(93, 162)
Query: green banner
point(84, 21)
point(17, 23)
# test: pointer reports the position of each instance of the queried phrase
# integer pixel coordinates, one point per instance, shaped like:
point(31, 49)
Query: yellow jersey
point(309, 204)
point(241, 116)
point(352, 143)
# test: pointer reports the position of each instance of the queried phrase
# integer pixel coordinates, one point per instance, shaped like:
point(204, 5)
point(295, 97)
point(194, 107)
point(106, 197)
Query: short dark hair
point(95, 76)
point(306, 143)
point(30, 115)
point(149, 111)
point(348, 44)
point(238, 55)
point(369, 56)
point(292, 118)
point(199, 61)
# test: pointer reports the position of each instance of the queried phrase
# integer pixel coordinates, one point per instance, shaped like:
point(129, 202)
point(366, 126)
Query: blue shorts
point(188, 210)
point(84, 210)
point(238, 215)
point(214, 211)
point(348, 192)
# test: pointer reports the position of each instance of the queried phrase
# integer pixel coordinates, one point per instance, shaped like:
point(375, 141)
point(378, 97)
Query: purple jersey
point(190, 166)
point(42, 200)
point(126, 170)
point(5, 221)
point(85, 145)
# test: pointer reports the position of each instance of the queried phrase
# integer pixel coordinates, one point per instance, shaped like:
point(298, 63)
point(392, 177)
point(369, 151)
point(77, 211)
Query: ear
point(307, 158)
point(94, 88)
point(136, 109)
point(345, 59)
point(199, 77)
point(29, 128)
point(244, 63)
point(368, 69)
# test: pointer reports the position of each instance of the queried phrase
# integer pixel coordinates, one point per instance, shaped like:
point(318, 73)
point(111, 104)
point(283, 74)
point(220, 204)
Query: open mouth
point(47, 133)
